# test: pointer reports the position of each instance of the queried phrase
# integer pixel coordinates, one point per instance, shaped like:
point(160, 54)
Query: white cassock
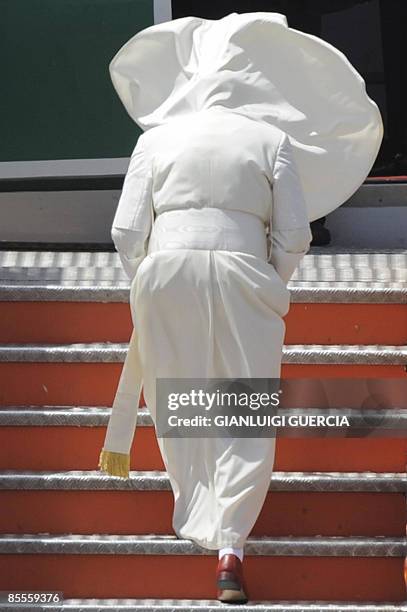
point(212, 222)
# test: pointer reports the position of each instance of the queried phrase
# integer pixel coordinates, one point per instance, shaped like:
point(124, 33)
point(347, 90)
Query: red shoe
point(230, 582)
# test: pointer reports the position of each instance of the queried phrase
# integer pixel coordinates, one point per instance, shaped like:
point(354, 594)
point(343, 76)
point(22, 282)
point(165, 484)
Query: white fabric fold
point(290, 233)
point(134, 215)
point(256, 65)
point(123, 418)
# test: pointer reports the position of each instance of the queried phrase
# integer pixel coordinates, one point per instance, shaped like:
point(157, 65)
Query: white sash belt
point(209, 228)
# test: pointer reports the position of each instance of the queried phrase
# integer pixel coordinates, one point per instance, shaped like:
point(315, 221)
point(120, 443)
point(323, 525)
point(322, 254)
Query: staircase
point(332, 532)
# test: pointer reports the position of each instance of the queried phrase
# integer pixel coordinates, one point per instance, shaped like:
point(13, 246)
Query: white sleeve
point(132, 222)
point(290, 232)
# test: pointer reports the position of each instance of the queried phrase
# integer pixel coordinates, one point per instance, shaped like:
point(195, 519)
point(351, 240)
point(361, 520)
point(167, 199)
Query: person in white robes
point(251, 131)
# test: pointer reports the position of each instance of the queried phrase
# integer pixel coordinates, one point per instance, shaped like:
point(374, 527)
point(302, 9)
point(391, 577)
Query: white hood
point(255, 65)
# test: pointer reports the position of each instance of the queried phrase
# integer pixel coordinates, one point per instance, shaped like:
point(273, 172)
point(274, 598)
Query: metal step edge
point(327, 264)
point(66, 416)
point(118, 292)
point(345, 293)
point(391, 418)
point(383, 264)
point(190, 605)
point(92, 480)
point(101, 544)
point(48, 257)
point(111, 352)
